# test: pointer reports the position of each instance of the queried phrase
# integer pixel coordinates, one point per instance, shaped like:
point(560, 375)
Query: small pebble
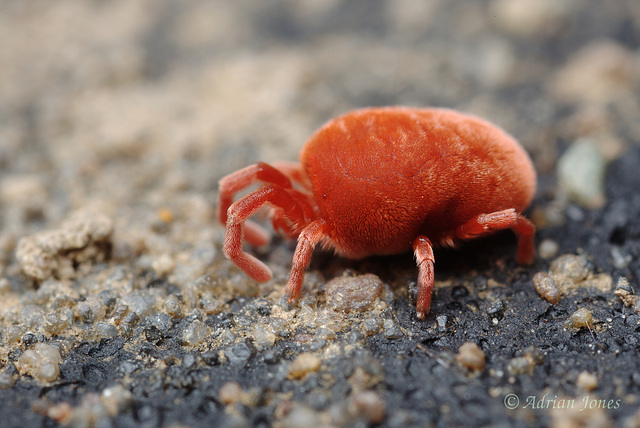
point(548, 249)
point(441, 320)
point(580, 318)
point(581, 172)
point(471, 356)
point(264, 336)
point(569, 269)
point(48, 372)
point(115, 398)
point(172, 306)
point(587, 381)
point(370, 406)
point(625, 292)
point(240, 352)
point(547, 287)
point(163, 265)
point(370, 326)
point(7, 379)
point(391, 330)
point(195, 333)
point(106, 331)
point(527, 362)
point(303, 364)
point(230, 393)
point(353, 293)
point(620, 259)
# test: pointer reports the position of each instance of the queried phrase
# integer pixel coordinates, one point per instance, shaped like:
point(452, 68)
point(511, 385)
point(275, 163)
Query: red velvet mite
point(383, 181)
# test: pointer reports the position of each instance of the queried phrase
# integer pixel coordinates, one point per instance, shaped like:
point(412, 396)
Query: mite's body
point(383, 181)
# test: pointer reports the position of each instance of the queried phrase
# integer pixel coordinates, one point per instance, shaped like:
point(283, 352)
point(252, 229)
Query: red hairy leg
point(423, 251)
point(310, 236)
point(233, 183)
point(240, 211)
point(505, 219)
point(294, 171)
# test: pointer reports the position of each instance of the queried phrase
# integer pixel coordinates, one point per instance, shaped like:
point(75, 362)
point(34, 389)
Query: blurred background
point(121, 103)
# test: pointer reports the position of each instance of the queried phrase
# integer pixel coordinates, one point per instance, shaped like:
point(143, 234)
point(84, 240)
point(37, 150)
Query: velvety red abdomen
point(382, 176)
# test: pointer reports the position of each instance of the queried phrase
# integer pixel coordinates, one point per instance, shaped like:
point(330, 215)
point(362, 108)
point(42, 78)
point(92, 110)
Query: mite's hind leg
point(505, 219)
point(423, 251)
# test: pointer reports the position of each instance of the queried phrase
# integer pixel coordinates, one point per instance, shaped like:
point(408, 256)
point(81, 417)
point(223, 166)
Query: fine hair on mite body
point(379, 181)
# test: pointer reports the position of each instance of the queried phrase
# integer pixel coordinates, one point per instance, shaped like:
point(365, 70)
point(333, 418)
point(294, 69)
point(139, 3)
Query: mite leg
point(294, 171)
point(310, 236)
point(237, 216)
point(506, 219)
point(233, 183)
point(423, 251)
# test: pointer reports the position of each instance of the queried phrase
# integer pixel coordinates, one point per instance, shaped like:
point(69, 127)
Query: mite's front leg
point(238, 214)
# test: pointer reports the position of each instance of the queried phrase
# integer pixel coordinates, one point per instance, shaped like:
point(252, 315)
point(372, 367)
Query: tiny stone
point(106, 330)
point(391, 330)
point(496, 308)
point(195, 333)
point(161, 320)
point(580, 318)
point(520, 365)
point(547, 287)
point(581, 172)
point(83, 311)
point(7, 379)
point(240, 353)
point(569, 269)
point(587, 381)
point(441, 320)
point(280, 327)
point(131, 318)
point(357, 293)
point(303, 416)
point(354, 337)
point(625, 292)
point(48, 372)
point(471, 356)
point(303, 364)
point(60, 412)
point(141, 304)
point(370, 406)
point(29, 339)
point(163, 265)
point(620, 259)
point(119, 313)
point(370, 326)
point(172, 306)
point(210, 304)
point(115, 398)
point(211, 358)
point(189, 361)
point(270, 357)
point(54, 324)
point(264, 336)
point(14, 334)
point(548, 249)
point(29, 362)
point(98, 308)
point(48, 352)
point(152, 334)
point(5, 285)
point(230, 393)
point(317, 344)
